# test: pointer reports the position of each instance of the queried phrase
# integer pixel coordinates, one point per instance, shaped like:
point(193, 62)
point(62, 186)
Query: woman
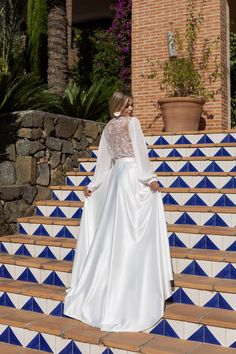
point(122, 268)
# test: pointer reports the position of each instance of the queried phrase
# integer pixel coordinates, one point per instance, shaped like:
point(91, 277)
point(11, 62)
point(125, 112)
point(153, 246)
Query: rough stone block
point(29, 193)
point(43, 193)
point(32, 119)
point(36, 146)
point(57, 177)
point(14, 210)
point(91, 129)
point(67, 147)
point(43, 174)
point(26, 170)
point(7, 173)
point(2, 218)
point(32, 134)
point(23, 147)
point(8, 193)
point(55, 159)
point(65, 129)
point(11, 152)
point(48, 125)
point(79, 131)
point(53, 143)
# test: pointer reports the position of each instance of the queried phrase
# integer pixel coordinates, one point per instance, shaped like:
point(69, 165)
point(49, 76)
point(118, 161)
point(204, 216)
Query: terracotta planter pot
point(181, 113)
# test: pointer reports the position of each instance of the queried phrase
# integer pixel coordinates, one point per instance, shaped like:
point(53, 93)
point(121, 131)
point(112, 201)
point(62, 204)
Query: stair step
point(40, 241)
point(207, 173)
point(173, 158)
point(66, 328)
point(201, 254)
point(16, 349)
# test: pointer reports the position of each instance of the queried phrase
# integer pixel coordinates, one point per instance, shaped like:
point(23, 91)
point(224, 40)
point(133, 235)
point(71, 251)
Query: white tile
point(219, 333)
point(230, 337)
point(190, 329)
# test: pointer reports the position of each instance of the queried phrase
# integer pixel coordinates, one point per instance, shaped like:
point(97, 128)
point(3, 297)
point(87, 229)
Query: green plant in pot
point(186, 78)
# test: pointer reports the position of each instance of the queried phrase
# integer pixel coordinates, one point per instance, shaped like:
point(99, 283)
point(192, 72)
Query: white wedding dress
point(122, 269)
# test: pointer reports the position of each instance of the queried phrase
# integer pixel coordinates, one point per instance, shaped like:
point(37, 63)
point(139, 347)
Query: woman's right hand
point(87, 192)
point(154, 186)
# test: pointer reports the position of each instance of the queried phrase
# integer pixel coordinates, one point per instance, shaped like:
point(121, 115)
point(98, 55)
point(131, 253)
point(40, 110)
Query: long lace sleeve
point(103, 164)
point(145, 173)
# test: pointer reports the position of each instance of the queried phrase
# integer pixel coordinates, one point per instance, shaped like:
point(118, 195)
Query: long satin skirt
point(122, 269)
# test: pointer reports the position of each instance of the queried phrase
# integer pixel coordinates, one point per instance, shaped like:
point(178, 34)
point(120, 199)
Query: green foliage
point(26, 93)
point(233, 77)
point(187, 74)
point(91, 103)
point(37, 36)
point(11, 41)
point(106, 64)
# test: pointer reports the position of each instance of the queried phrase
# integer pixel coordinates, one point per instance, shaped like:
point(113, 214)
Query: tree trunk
point(57, 46)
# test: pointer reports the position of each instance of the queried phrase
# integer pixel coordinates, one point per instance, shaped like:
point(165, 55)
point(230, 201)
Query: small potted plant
point(186, 77)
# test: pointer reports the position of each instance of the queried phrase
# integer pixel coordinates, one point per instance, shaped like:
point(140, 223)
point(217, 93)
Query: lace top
point(122, 137)
point(118, 139)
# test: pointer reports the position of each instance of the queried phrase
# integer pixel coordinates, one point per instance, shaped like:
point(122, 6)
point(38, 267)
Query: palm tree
point(57, 46)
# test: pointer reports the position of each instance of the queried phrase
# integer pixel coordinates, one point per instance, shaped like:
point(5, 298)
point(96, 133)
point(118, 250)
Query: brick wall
point(151, 20)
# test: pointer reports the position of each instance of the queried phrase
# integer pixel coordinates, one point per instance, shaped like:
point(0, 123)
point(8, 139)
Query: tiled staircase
point(197, 173)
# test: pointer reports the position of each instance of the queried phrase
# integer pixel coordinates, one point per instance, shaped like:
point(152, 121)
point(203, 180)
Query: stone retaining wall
point(36, 150)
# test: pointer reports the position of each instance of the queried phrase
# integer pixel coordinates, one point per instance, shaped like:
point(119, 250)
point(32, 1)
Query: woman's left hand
point(154, 186)
point(87, 192)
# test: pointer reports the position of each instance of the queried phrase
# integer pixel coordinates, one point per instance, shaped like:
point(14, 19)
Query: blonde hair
point(118, 102)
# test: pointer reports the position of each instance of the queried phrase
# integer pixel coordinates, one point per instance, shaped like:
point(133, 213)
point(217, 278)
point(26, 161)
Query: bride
point(122, 269)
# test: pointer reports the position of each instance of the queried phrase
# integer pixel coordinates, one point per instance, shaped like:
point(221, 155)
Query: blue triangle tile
point(232, 247)
point(152, 153)
point(224, 201)
point(204, 335)
point(64, 232)
point(228, 272)
point(3, 248)
point(27, 275)
point(69, 182)
point(4, 272)
point(21, 230)
point(85, 181)
point(39, 342)
point(6, 301)
point(54, 196)
point(41, 231)
point(164, 167)
point(230, 184)
point(210, 338)
point(72, 196)
point(185, 219)
point(198, 152)
point(168, 199)
point(188, 167)
point(182, 140)
point(47, 253)
point(218, 301)
point(222, 152)
point(174, 153)
point(23, 251)
point(174, 241)
point(32, 305)
point(233, 345)
point(215, 220)
point(233, 169)
point(205, 183)
point(194, 269)
point(179, 183)
point(195, 200)
point(205, 140)
point(59, 310)
point(70, 256)
point(93, 169)
point(82, 169)
point(205, 243)
point(93, 155)
point(107, 351)
point(38, 212)
point(71, 348)
point(213, 167)
point(228, 139)
point(8, 336)
point(78, 214)
point(181, 297)
point(53, 279)
point(164, 328)
point(161, 141)
point(57, 213)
